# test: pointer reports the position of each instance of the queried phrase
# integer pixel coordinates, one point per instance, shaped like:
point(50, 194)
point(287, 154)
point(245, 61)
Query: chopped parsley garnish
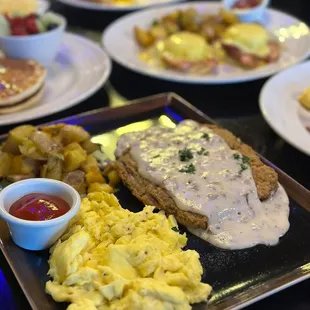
point(243, 167)
point(206, 136)
point(175, 228)
point(236, 156)
point(244, 162)
point(203, 152)
point(245, 159)
point(185, 154)
point(156, 156)
point(189, 169)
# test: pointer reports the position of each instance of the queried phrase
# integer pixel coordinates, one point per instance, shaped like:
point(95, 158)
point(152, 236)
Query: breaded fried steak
point(209, 180)
point(151, 193)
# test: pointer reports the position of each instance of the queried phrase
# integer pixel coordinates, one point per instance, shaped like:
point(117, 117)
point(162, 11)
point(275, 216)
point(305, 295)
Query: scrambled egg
point(112, 258)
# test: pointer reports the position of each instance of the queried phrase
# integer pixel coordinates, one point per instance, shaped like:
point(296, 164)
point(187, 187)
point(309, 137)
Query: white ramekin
point(247, 15)
point(38, 235)
point(41, 47)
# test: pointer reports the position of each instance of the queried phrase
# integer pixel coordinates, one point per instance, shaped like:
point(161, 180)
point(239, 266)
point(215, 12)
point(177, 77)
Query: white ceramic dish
point(41, 47)
point(80, 69)
point(280, 108)
point(248, 15)
point(141, 4)
point(124, 50)
point(43, 6)
point(38, 235)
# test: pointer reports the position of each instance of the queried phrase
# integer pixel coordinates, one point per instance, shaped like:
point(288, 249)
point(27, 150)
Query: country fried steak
point(266, 180)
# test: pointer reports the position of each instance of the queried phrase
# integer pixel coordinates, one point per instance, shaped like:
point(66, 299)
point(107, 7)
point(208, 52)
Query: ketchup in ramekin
point(39, 207)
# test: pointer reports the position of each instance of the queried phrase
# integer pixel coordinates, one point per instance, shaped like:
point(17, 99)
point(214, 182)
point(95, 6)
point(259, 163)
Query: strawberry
point(17, 22)
point(18, 31)
point(31, 25)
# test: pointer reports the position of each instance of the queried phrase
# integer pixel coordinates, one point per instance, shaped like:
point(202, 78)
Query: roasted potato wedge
point(74, 156)
point(73, 133)
point(94, 176)
point(76, 180)
point(5, 164)
point(52, 169)
point(144, 38)
point(45, 144)
point(53, 130)
point(89, 164)
point(29, 149)
point(89, 146)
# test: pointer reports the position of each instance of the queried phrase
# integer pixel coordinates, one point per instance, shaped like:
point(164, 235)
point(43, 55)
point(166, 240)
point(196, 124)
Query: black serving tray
point(238, 278)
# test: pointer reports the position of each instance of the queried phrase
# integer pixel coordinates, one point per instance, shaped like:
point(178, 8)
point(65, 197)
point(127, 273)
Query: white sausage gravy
point(204, 175)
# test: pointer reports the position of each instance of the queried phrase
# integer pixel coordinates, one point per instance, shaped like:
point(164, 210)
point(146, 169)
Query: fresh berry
point(19, 31)
point(31, 25)
point(51, 26)
point(17, 22)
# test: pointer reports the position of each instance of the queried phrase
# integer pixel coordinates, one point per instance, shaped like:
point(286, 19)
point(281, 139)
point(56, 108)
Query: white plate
point(141, 4)
point(43, 6)
point(280, 108)
point(124, 50)
point(80, 68)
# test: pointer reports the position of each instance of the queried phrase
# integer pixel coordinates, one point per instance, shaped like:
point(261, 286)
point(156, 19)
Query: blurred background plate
point(43, 6)
point(80, 69)
point(292, 32)
point(281, 109)
point(92, 5)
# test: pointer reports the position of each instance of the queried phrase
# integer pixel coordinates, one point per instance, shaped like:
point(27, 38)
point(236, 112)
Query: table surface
point(234, 106)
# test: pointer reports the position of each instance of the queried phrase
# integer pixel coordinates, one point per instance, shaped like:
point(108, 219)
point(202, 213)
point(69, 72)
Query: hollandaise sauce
point(39, 207)
point(205, 176)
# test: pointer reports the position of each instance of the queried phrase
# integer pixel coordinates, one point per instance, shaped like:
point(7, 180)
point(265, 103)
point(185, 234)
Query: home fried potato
point(144, 38)
point(210, 26)
point(61, 152)
point(73, 133)
point(89, 164)
point(94, 176)
point(89, 146)
point(5, 164)
point(52, 169)
point(74, 156)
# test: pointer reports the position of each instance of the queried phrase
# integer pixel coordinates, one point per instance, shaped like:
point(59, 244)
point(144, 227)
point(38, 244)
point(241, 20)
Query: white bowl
point(38, 235)
point(41, 47)
point(247, 15)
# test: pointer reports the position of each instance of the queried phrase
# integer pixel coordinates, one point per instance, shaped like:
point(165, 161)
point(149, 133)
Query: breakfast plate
point(117, 5)
point(293, 34)
point(281, 109)
point(80, 68)
point(236, 283)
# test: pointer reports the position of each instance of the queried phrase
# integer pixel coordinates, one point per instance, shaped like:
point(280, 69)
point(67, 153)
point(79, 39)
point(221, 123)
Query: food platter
point(281, 109)
point(92, 5)
point(80, 68)
point(235, 282)
point(125, 50)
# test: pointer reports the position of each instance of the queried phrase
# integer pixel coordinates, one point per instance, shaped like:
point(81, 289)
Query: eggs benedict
point(186, 51)
point(250, 45)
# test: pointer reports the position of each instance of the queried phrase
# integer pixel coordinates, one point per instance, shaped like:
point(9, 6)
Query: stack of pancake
point(21, 84)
